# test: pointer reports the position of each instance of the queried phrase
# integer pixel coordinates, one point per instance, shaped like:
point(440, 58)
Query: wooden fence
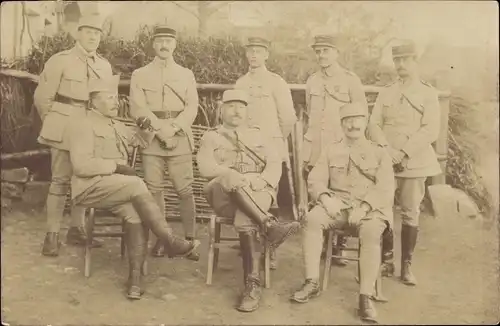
point(208, 116)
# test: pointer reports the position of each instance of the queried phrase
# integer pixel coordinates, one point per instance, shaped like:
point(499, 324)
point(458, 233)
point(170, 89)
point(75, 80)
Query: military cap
point(235, 95)
point(109, 84)
point(326, 40)
point(353, 110)
point(258, 41)
point(163, 30)
point(92, 21)
point(404, 49)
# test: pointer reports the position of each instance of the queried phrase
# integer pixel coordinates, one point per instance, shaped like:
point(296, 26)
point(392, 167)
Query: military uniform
point(62, 93)
point(353, 174)
point(165, 92)
point(406, 118)
point(226, 157)
point(99, 148)
point(326, 91)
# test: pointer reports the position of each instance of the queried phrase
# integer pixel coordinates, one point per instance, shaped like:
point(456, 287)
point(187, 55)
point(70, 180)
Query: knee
point(136, 186)
point(313, 220)
point(186, 191)
point(370, 236)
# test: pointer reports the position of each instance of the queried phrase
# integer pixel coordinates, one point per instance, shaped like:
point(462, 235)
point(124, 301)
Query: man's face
point(257, 56)
point(234, 113)
point(326, 55)
point(164, 46)
point(106, 103)
point(354, 127)
point(89, 38)
point(405, 66)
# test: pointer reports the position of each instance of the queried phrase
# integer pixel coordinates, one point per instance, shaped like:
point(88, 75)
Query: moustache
point(353, 129)
point(163, 49)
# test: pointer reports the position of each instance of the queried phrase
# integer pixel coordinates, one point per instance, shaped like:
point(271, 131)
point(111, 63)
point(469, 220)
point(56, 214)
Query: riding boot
point(388, 267)
point(152, 217)
point(408, 241)
point(250, 297)
point(51, 244)
point(77, 236)
point(134, 237)
point(275, 231)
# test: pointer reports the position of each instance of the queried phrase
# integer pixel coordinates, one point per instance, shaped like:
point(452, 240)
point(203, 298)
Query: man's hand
point(125, 169)
point(143, 123)
point(358, 213)
point(257, 183)
point(397, 155)
point(165, 133)
point(331, 204)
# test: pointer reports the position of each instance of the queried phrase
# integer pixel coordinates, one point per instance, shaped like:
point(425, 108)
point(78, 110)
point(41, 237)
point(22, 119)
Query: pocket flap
point(74, 75)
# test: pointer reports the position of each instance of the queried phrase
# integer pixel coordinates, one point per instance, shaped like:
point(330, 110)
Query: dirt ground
point(456, 264)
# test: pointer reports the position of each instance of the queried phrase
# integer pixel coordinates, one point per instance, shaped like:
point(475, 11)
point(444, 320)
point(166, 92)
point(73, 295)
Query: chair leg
point(328, 260)
point(90, 237)
point(122, 241)
point(211, 234)
point(216, 248)
point(267, 265)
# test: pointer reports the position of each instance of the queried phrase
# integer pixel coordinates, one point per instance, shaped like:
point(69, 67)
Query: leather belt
point(166, 114)
point(68, 100)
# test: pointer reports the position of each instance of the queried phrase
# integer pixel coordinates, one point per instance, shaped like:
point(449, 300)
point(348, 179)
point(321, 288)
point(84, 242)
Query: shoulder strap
point(419, 110)
point(175, 93)
point(239, 144)
point(369, 177)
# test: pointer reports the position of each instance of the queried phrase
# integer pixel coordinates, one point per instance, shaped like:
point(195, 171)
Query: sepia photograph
point(249, 163)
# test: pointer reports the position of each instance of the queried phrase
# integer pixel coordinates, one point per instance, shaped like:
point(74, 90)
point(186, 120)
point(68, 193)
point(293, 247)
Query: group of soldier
point(351, 179)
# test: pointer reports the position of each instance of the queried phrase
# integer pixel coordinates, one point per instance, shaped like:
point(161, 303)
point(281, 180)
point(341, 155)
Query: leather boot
point(160, 248)
point(408, 241)
point(152, 217)
point(366, 310)
point(310, 289)
point(77, 236)
point(134, 237)
point(51, 244)
point(388, 267)
point(250, 297)
point(341, 244)
point(276, 232)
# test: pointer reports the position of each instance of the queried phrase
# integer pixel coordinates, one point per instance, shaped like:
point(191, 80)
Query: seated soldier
point(353, 187)
point(102, 179)
point(244, 172)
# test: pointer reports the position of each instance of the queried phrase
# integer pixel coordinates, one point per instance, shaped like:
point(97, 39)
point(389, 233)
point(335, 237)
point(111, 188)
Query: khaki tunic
point(66, 73)
point(397, 123)
point(97, 145)
point(217, 155)
point(336, 173)
point(149, 92)
point(325, 94)
point(270, 105)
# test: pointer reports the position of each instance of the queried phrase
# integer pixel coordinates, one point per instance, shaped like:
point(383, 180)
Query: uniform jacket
point(217, 154)
point(325, 94)
point(336, 173)
point(97, 145)
point(149, 92)
point(270, 104)
point(409, 121)
point(66, 73)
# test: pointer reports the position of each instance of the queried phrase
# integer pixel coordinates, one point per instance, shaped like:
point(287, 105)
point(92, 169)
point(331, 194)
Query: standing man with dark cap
point(405, 120)
point(62, 94)
point(165, 92)
point(243, 169)
point(270, 104)
point(326, 91)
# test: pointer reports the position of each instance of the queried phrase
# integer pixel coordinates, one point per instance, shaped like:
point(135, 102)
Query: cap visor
point(322, 44)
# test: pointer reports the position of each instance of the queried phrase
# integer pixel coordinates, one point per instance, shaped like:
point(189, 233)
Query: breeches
point(221, 202)
point(411, 194)
point(115, 193)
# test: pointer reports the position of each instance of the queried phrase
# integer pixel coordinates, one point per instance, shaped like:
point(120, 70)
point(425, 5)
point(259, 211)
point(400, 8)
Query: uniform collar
point(83, 53)
point(258, 71)
point(359, 144)
point(163, 63)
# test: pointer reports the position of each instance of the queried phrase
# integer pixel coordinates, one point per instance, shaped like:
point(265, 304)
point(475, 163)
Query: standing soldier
point(165, 92)
point(405, 120)
point(352, 185)
point(62, 93)
point(326, 91)
point(270, 105)
point(243, 169)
